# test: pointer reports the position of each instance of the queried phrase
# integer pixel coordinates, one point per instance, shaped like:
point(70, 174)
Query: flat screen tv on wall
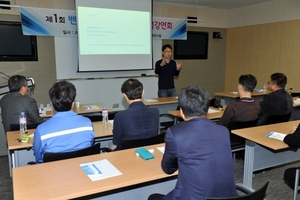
point(14, 46)
point(194, 47)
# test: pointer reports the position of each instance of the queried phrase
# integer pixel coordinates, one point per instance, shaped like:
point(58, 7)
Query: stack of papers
point(101, 169)
point(92, 107)
point(276, 135)
point(212, 111)
point(297, 101)
point(150, 100)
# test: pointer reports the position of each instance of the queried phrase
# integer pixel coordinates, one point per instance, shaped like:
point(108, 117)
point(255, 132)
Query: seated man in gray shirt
point(18, 101)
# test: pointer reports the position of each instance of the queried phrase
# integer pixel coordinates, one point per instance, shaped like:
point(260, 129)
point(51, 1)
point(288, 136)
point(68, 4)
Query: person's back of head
point(248, 82)
point(133, 89)
point(16, 82)
point(62, 95)
point(279, 79)
point(193, 101)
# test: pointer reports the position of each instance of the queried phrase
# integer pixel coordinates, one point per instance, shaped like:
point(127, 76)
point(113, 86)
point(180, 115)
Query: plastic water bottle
point(265, 87)
point(104, 115)
point(23, 124)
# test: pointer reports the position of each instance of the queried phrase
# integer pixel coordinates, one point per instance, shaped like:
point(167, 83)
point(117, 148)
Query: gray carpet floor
point(277, 189)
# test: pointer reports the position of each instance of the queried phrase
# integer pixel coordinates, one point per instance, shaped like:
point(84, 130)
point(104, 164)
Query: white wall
point(101, 87)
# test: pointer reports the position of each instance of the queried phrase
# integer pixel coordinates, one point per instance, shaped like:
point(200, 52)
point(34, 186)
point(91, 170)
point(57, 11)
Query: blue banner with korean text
point(48, 22)
point(169, 28)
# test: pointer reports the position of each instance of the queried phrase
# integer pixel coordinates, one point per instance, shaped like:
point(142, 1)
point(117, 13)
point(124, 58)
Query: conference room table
point(82, 109)
point(66, 180)
point(262, 152)
point(229, 97)
point(213, 113)
point(21, 153)
point(163, 104)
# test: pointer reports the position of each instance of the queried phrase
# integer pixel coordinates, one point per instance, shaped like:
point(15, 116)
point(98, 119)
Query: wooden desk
point(160, 101)
point(236, 95)
point(80, 110)
point(215, 115)
point(229, 97)
point(65, 179)
point(163, 104)
point(100, 131)
point(262, 152)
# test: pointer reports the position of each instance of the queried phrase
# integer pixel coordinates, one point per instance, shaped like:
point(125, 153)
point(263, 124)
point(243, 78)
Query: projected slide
point(108, 31)
point(114, 35)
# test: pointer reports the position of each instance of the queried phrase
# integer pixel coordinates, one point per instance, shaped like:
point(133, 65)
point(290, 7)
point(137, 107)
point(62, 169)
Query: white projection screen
point(114, 35)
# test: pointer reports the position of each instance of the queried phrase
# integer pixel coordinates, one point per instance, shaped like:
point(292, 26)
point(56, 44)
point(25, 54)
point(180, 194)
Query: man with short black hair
point(166, 68)
point(65, 131)
point(18, 101)
point(200, 150)
point(139, 120)
point(245, 109)
point(279, 102)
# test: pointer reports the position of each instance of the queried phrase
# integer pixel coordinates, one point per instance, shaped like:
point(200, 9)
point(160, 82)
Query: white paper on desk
point(99, 170)
point(276, 135)
point(150, 100)
point(297, 101)
point(111, 121)
point(92, 107)
point(212, 110)
point(161, 149)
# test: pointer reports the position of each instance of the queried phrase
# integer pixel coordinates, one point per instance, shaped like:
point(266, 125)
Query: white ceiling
point(222, 4)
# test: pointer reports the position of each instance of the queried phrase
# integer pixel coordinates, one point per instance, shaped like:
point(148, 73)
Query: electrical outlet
point(115, 105)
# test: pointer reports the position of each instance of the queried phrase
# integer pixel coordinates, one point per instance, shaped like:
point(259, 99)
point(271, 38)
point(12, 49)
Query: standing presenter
point(166, 70)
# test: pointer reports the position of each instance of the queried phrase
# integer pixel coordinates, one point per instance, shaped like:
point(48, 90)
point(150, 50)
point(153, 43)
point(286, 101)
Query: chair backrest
point(295, 94)
point(235, 139)
point(132, 143)
point(273, 119)
point(257, 195)
point(15, 127)
point(49, 157)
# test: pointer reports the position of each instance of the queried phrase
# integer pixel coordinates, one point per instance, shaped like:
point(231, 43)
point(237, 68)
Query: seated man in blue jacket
point(200, 150)
point(65, 131)
point(139, 120)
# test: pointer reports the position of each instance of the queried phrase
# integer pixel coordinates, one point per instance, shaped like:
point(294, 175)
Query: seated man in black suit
point(245, 109)
point(279, 102)
point(139, 120)
point(18, 101)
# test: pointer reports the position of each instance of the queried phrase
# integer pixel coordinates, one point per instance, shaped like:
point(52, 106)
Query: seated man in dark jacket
point(200, 150)
point(279, 102)
point(139, 120)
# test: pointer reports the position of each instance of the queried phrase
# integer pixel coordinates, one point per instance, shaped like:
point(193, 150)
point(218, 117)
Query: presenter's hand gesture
point(163, 62)
point(178, 65)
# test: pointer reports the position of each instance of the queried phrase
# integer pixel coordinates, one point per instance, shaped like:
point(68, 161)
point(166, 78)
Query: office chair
point(49, 157)
point(295, 94)
point(238, 143)
point(163, 126)
point(256, 195)
point(16, 127)
point(273, 119)
point(132, 143)
point(295, 183)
